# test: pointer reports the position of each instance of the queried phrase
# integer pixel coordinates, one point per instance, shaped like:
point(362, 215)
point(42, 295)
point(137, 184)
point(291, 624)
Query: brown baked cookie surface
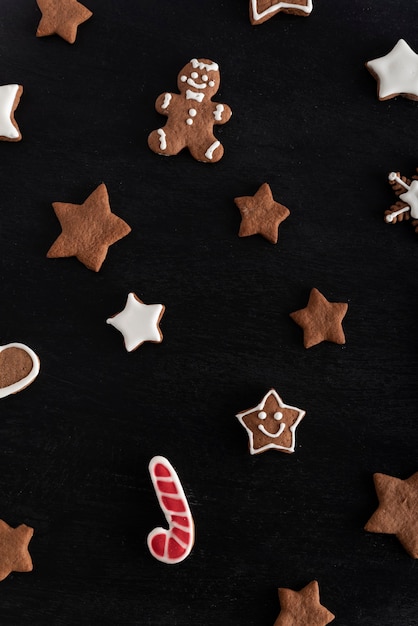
point(19, 366)
point(14, 553)
point(321, 320)
point(261, 214)
point(61, 17)
point(397, 513)
point(88, 229)
point(302, 608)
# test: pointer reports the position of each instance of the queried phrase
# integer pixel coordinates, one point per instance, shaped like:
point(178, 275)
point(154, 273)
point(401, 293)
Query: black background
point(75, 445)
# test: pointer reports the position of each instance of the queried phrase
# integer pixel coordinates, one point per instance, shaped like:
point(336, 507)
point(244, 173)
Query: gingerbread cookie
point(9, 100)
point(138, 322)
point(271, 424)
point(175, 544)
point(397, 513)
point(321, 320)
point(396, 72)
point(19, 366)
point(407, 206)
point(261, 214)
point(192, 114)
point(61, 17)
point(262, 10)
point(14, 554)
point(302, 608)
point(88, 229)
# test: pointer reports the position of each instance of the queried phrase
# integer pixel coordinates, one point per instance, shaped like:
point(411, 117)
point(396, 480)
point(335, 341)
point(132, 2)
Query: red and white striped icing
point(172, 545)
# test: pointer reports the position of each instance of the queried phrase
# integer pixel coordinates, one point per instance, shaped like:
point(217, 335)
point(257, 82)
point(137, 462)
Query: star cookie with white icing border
point(263, 10)
point(271, 424)
point(9, 100)
point(61, 17)
point(138, 322)
point(396, 72)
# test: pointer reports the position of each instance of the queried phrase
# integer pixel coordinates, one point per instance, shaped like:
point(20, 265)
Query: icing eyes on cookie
point(262, 415)
point(278, 415)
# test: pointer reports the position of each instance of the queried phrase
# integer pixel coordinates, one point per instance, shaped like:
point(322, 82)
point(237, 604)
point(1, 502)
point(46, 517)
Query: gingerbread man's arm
point(221, 113)
point(164, 102)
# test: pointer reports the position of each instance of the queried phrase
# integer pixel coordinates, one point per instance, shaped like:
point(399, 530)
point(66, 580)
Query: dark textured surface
point(75, 445)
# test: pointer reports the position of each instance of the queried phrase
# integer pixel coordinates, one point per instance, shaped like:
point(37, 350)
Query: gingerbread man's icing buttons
point(192, 114)
point(271, 424)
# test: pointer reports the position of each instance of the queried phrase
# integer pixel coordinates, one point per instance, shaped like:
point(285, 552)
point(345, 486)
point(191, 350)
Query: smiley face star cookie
point(302, 608)
point(61, 17)
point(263, 10)
point(397, 513)
point(88, 229)
point(9, 100)
point(396, 72)
point(321, 320)
point(271, 424)
point(261, 214)
point(138, 322)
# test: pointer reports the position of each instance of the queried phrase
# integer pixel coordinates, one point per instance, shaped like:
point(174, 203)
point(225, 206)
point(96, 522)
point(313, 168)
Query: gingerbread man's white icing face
point(200, 76)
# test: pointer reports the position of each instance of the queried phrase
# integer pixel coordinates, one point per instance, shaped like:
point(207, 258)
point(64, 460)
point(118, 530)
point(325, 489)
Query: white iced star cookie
point(396, 72)
point(9, 99)
point(138, 322)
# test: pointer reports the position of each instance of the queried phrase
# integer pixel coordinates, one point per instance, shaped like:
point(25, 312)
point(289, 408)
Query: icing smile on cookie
point(261, 422)
point(277, 416)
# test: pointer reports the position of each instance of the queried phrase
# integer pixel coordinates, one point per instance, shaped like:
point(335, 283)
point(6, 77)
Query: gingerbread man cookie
point(192, 114)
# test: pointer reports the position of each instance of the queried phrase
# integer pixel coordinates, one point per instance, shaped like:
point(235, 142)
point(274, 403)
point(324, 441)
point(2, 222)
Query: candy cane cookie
point(172, 545)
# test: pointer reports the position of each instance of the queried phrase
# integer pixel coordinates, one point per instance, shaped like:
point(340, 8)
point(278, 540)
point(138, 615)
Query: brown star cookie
point(321, 320)
point(271, 424)
point(61, 17)
point(88, 229)
point(14, 554)
point(263, 10)
point(302, 608)
point(397, 513)
point(261, 215)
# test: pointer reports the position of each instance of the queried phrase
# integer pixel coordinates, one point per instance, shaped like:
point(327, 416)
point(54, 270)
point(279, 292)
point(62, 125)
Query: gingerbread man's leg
point(208, 149)
point(160, 141)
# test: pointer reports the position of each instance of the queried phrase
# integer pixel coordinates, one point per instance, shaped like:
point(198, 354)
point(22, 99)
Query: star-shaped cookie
point(61, 17)
point(271, 424)
point(9, 100)
point(261, 214)
point(138, 322)
point(396, 72)
point(14, 554)
point(321, 320)
point(88, 229)
point(302, 608)
point(262, 10)
point(397, 513)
